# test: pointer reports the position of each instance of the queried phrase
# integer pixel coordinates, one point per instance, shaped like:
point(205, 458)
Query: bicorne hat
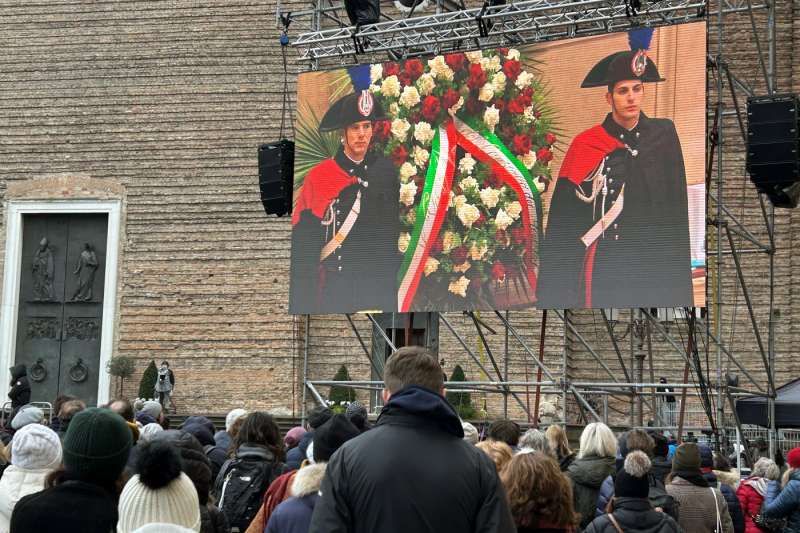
point(351, 108)
point(633, 64)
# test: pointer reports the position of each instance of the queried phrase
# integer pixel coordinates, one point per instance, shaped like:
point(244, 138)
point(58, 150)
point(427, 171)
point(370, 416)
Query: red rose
point(503, 51)
point(523, 100)
point(414, 68)
point(544, 155)
point(450, 98)
point(500, 237)
point(405, 79)
point(474, 106)
point(550, 139)
point(532, 132)
point(455, 61)
point(391, 69)
point(498, 271)
point(437, 246)
point(458, 255)
point(431, 108)
point(481, 219)
point(518, 235)
point(528, 92)
point(413, 117)
point(477, 77)
point(399, 155)
point(499, 104)
point(512, 68)
point(382, 129)
point(537, 114)
point(494, 181)
point(515, 107)
point(521, 144)
point(507, 132)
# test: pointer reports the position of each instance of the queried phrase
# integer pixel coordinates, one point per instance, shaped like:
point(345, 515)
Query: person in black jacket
point(413, 471)
point(706, 467)
point(20, 393)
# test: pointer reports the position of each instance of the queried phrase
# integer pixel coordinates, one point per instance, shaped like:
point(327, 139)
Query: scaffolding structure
point(331, 41)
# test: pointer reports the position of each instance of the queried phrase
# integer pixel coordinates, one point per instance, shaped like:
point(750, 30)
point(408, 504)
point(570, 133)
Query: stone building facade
point(158, 108)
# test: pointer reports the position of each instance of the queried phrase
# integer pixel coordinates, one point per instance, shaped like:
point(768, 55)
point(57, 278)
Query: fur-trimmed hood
point(308, 480)
point(729, 478)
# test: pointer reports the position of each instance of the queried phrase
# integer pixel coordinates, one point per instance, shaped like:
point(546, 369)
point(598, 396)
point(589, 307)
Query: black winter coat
point(734, 509)
point(634, 515)
point(212, 520)
point(20, 393)
point(70, 507)
point(661, 466)
point(412, 472)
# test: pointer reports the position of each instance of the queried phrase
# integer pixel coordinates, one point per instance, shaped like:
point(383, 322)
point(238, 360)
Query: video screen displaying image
point(567, 174)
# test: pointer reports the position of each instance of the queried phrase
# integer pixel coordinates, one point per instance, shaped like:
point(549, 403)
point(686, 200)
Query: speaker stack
point(276, 176)
point(772, 147)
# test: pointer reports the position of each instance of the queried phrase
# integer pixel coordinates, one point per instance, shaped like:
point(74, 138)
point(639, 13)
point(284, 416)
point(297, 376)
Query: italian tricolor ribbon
point(431, 211)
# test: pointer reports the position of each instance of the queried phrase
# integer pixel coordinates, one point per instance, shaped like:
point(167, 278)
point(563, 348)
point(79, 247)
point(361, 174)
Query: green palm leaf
point(340, 84)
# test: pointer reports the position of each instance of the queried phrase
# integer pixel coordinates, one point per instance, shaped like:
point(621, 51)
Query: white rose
point(410, 97)
point(390, 87)
point(459, 201)
point(502, 220)
point(407, 193)
point(486, 93)
point(499, 82)
point(449, 241)
point(529, 159)
point(468, 183)
point(421, 156)
point(528, 115)
point(431, 266)
point(400, 127)
point(513, 53)
point(440, 69)
point(374, 88)
point(490, 197)
point(459, 286)
point(474, 57)
point(491, 117)
point(411, 217)
point(490, 64)
point(468, 214)
point(406, 171)
point(402, 242)
point(423, 133)
point(540, 184)
point(425, 84)
point(476, 252)
point(523, 80)
point(514, 209)
point(466, 164)
point(453, 110)
point(375, 72)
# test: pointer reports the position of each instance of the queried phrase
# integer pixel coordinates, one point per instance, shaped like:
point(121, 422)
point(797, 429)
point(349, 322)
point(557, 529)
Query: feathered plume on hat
point(639, 39)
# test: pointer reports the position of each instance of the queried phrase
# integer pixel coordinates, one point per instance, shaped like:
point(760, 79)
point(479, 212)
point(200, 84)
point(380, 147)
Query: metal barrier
point(46, 407)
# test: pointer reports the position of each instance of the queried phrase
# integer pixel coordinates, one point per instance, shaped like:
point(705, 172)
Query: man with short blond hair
point(413, 471)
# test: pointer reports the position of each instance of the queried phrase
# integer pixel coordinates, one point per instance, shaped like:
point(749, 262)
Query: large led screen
point(566, 174)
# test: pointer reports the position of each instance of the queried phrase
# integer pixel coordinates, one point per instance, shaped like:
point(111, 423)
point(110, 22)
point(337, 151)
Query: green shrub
point(148, 383)
point(461, 401)
point(121, 367)
point(341, 394)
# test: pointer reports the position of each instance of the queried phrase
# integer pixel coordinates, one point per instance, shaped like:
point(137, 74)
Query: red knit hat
point(793, 458)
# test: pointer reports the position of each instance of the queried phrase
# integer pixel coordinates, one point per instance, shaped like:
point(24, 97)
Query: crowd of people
point(417, 468)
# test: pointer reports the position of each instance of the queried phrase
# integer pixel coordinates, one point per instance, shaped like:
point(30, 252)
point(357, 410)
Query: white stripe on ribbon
point(430, 216)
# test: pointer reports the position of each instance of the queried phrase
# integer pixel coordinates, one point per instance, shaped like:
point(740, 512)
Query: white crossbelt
point(341, 235)
point(607, 219)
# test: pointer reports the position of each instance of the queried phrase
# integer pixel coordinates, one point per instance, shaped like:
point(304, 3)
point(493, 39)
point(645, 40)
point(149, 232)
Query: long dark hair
point(259, 428)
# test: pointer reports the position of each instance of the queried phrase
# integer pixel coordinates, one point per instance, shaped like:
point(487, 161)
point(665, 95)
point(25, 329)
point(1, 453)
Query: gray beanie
point(151, 408)
point(27, 414)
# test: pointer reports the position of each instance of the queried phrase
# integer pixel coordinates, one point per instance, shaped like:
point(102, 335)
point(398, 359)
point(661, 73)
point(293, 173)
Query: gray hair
point(766, 468)
point(598, 439)
point(535, 440)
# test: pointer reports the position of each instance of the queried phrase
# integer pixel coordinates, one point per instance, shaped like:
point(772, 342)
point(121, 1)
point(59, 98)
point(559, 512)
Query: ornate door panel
point(60, 304)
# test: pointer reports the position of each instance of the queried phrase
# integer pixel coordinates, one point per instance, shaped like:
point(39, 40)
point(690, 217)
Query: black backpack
point(242, 483)
point(659, 497)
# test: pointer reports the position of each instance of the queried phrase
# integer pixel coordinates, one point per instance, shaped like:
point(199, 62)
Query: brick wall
point(168, 101)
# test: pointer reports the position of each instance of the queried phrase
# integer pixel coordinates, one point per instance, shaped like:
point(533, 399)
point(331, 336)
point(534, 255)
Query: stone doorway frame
point(12, 263)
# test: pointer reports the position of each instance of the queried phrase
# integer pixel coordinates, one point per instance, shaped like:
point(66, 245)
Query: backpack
point(244, 481)
point(659, 497)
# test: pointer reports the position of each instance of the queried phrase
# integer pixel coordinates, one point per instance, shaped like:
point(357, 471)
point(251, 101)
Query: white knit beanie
point(232, 417)
point(163, 528)
point(149, 431)
point(160, 493)
point(36, 447)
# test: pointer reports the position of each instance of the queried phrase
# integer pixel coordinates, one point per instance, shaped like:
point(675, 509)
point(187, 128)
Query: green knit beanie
point(96, 445)
point(687, 458)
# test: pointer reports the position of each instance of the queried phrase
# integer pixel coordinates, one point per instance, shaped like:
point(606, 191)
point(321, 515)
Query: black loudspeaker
point(772, 147)
point(276, 176)
point(361, 12)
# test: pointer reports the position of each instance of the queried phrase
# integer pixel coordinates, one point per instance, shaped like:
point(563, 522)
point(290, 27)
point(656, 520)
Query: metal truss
point(515, 23)
point(544, 20)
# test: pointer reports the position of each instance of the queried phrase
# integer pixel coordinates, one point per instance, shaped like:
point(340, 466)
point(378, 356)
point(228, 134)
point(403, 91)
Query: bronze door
point(61, 304)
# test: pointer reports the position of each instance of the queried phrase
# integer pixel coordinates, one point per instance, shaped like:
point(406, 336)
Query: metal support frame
point(543, 20)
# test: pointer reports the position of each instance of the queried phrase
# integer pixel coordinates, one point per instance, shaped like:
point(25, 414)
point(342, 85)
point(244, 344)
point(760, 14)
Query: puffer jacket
point(294, 514)
point(785, 503)
point(634, 515)
point(16, 483)
point(730, 497)
point(20, 393)
point(751, 497)
point(587, 475)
